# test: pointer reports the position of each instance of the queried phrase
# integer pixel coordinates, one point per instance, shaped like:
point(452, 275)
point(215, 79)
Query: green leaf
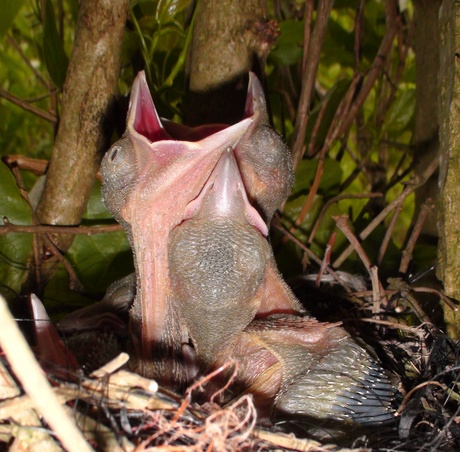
point(14, 248)
point(101, 258)
point(288, 49)
point(53, 51)
point(10, 8)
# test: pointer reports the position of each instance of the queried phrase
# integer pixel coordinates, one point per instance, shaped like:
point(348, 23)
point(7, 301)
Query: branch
point(27, 107)
point(10, 228)
point(85, 123)
point(310, 67)
point(377, 67)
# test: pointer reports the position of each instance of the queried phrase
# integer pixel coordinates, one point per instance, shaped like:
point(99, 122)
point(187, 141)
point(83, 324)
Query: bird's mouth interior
point(146, 120)
point(148, 123)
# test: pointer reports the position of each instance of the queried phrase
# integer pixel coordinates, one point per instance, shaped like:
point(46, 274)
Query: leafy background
point(36, 39)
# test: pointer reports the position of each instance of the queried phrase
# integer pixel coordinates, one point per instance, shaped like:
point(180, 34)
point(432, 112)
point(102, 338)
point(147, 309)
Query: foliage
point(372, 156)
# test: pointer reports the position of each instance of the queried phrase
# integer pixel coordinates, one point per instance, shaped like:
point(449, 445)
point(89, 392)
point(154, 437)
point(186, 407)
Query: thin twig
point(427, 206)
point(312, 255)
point(388, 234)
point(75, 283)
point(420, 386)
point(396, 326)
point(308, 78)
point(377, 66)
point(377, 288)
point(26, 60)
point(314, 132)
point(37, 166)
point(359, 34)
point(10, 228)
point(27, 107)
point(441, 295)
point(330, 138)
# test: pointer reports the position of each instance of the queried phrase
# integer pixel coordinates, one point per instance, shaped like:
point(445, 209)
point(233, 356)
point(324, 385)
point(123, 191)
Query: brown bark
point(449, 133)
point(231, 37)
point(88, 94)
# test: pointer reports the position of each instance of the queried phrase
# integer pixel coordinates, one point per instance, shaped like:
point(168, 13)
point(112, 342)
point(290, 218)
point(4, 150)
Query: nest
point(113, 409)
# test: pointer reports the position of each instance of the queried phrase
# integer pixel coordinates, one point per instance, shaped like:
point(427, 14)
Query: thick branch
point(231, 37)
point(89, 90)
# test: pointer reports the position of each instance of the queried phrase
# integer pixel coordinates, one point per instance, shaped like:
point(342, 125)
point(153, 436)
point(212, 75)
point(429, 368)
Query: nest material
point(118, 410)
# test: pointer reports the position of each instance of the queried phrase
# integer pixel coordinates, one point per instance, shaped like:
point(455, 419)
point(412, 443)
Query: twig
point(377, 288)
point(105, 438)
point(35, 384)
point(314, 132)
point(308, 77)
point(289, 441)
point(326, 259)
point(75, 282)
point(406, 293)
point(377, 66)
point(112, 366)
point(420, 386)
point(331, 136)
point(37, 166)
point(359, 34)
point(27, 107)
point(396, 326)
point(408, 250)
point(10, 228)
point(342, 223)
point(313, 256)
point(441, 295)
point(294, 239)
point(388, 234)
point(26, 60)
point(308, 20)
